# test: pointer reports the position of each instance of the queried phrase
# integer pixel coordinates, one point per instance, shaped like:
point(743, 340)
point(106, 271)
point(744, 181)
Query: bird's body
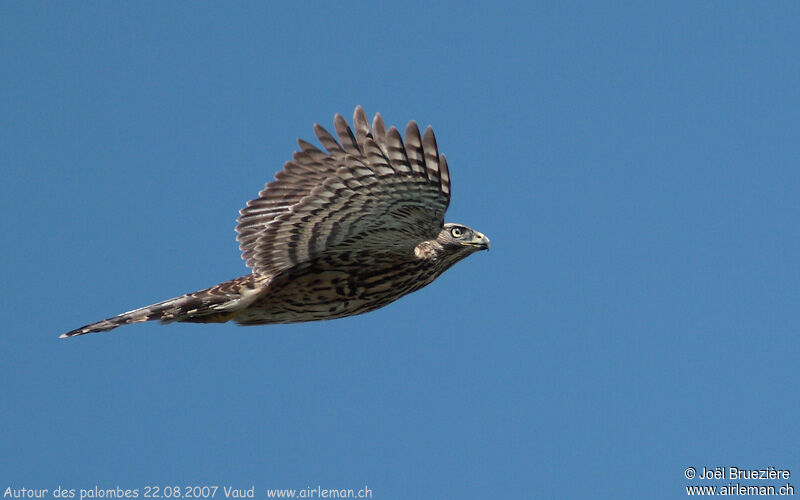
point(338, 233)
point(321, 291)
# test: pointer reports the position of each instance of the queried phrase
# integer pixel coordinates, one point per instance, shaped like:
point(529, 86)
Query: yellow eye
point(456, 232)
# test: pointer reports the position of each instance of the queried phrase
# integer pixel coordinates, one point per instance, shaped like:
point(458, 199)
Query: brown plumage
point(339, 232)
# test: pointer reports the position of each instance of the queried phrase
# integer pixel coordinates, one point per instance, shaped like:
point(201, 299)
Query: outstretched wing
point(371, 191)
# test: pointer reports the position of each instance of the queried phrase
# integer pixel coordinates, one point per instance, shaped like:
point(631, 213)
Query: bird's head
point(454, 242)
point(461, 241)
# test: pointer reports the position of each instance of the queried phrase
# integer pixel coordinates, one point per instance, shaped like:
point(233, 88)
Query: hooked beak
point(479, 240)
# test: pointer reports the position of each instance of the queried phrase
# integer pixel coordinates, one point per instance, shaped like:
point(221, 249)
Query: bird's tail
point(212, 305)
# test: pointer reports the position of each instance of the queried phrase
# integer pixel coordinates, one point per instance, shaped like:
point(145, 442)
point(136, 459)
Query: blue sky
point(635, 166)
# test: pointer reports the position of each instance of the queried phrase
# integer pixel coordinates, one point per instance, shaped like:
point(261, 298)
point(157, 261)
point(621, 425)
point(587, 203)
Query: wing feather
point(444, 174)
point(327, 140)
point(361, 125)
point(431, 154)
point(346, 137)
point(414, 152)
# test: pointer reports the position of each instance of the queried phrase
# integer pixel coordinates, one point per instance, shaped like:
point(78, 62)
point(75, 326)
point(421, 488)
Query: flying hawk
point(338, 232)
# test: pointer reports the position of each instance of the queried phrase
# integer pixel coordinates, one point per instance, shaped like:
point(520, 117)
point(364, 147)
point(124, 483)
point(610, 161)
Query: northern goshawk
point(339, 232)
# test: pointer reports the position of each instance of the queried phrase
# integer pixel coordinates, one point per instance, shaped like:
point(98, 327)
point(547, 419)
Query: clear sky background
point(635, 166)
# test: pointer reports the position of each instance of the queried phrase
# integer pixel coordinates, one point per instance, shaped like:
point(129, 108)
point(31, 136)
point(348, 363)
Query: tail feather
point(216, 304)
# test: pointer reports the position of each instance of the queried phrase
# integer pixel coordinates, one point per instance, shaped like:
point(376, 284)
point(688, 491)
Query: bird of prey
point(339, 232)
